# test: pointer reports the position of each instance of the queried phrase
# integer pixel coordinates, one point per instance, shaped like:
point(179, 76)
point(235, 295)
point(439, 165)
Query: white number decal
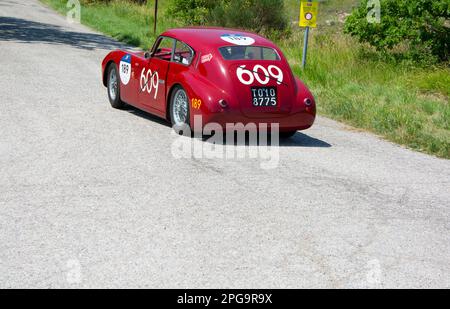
point(125, 69)
point(259, 76)
point(149, 82)
point(241, 72)
point(260, 73)
point(279, 75)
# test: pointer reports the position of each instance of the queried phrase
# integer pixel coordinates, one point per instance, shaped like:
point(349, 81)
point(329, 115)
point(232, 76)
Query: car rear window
point(248, 53)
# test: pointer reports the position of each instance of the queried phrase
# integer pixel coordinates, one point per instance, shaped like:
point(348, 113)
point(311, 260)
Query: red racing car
point(226, 76)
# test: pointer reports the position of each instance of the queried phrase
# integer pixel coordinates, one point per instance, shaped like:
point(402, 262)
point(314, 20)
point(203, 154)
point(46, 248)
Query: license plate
point(264, 96)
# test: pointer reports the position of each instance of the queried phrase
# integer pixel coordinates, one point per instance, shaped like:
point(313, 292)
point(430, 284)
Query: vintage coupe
point(226, 76)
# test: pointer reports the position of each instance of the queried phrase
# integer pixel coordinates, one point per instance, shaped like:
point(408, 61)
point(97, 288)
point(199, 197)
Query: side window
point(183, 54)
point(164, 49)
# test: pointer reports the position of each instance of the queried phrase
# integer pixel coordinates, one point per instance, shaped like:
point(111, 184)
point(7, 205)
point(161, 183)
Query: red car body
point(219, 89)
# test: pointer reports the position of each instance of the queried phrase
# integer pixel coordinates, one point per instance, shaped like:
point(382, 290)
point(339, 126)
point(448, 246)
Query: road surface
point(93, 197)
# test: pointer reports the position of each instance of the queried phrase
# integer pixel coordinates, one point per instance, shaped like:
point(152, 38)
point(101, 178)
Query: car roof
point(204, 38)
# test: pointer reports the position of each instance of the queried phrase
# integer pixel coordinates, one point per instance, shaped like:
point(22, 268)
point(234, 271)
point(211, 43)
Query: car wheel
point(179, 108)
point(113, 87)
point(288, 134)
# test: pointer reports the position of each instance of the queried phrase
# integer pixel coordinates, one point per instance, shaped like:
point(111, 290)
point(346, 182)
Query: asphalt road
point(94, 197)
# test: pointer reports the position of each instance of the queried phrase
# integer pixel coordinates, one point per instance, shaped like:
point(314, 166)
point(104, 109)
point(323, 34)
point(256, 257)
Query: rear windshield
point(249, 53)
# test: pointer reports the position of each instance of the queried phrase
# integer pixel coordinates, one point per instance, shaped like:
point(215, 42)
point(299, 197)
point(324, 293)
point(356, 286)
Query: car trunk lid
point(256, 84)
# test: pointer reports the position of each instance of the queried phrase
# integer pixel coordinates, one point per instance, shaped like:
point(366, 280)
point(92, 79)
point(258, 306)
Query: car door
point(153, 75)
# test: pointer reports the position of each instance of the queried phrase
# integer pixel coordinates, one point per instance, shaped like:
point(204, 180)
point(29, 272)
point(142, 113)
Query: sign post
point(308, 19)
point(305, 47)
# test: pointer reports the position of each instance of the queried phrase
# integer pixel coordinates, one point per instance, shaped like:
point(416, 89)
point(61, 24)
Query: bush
point(191, 12)
point(421, 27)
point(266, 16)
point(140, 2)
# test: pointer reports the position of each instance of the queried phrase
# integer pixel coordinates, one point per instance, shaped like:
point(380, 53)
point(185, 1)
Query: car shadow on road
point(26, 31)
point(139, 113)
point(301, 140)
point(298, 140)
point(304, 140)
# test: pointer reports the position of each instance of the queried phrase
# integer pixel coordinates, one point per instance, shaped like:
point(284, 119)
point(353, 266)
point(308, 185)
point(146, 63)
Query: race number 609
point(260, 74)
point(149, 82)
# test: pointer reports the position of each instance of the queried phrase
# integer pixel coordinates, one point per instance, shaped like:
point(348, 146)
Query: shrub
point(191, 12)
point(421, 27)
point(267, 16)
point(257, 15)
point(140, 2)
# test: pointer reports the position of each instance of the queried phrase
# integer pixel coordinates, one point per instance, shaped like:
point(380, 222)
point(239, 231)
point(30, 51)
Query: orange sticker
point(196, 103)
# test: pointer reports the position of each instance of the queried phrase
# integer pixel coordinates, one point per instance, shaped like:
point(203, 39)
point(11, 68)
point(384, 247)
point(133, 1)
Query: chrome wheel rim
point(113, 85)
point(180, 107)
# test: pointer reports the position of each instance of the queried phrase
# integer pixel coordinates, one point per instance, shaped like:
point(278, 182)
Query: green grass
point(399, 101)
point(406, 105)
point(125, 21)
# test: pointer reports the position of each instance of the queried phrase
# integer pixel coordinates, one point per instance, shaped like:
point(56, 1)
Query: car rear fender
point(305, 99)
point(204, 95)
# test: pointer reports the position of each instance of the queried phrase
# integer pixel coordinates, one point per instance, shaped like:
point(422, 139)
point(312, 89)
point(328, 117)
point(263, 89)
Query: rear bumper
point(293, 122)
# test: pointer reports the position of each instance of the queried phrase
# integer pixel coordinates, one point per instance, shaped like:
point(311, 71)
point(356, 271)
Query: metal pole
point(156, 16)
point(305, 45)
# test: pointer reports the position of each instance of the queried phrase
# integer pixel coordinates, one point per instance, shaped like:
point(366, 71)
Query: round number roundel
point(238, 39)
point(125, 69)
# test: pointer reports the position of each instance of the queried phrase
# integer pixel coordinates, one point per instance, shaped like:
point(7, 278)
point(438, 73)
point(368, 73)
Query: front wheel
point(179, 108)
point(114, 88)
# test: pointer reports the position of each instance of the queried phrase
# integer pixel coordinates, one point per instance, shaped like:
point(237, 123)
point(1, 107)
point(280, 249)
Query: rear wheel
point(114, 88)
point(179, 108)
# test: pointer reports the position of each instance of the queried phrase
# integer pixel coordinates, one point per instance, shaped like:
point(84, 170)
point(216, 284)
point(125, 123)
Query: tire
point(113, 85)
point(179, 108)
point(288, 134)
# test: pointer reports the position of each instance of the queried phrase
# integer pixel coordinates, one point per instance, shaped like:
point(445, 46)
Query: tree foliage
point(267, 16)
point(140, 2)
point(422, 26)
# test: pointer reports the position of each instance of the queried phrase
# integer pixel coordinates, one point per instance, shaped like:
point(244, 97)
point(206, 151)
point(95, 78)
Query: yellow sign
point(308, 14)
